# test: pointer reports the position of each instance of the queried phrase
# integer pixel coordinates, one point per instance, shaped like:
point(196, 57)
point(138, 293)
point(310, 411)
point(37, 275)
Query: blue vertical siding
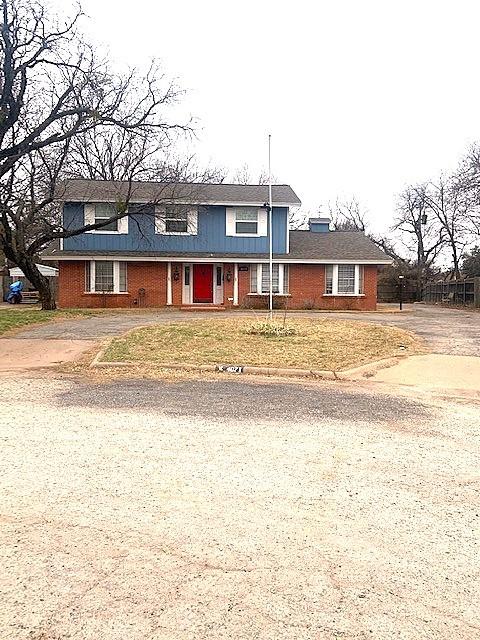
point(211, 237)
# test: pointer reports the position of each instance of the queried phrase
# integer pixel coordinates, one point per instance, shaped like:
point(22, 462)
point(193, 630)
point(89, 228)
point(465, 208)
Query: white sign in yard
point(229, 368)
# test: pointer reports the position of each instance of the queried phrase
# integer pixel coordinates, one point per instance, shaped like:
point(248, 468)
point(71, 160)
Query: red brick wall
point(243, 285)
point(306, 285)
point(177, 283)
point(151, 276)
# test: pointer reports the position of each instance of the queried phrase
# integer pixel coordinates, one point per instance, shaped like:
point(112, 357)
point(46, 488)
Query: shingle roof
point(304, 246)
point(334, 245)
point(106, 190)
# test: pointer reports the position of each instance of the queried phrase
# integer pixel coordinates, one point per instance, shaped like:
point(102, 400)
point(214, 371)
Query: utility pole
point(270, 229)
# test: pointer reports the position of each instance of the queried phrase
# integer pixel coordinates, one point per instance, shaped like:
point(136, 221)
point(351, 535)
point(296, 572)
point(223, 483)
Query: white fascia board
point(240, 260)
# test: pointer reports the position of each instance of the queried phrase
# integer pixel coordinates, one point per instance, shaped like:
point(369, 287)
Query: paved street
point(236, 509)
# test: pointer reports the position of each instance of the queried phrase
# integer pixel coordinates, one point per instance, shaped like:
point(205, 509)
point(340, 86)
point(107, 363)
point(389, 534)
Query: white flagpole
point(270, 228)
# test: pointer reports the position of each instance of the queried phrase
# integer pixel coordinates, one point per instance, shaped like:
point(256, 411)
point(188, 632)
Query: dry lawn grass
point(319, 344)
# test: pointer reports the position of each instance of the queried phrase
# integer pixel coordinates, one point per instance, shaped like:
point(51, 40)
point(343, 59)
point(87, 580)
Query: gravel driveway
point(213, 510)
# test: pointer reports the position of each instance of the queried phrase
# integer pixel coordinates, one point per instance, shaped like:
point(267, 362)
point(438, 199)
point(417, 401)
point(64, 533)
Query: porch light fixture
point(228, 275)
point(176, 273)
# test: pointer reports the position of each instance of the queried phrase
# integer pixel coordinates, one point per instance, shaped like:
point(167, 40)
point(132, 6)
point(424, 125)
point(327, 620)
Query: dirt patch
point(20, 354)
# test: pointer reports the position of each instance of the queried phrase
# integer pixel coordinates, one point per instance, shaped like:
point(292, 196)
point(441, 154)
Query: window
point(246, 221)
point(176, 219)
point(100, 213)
point(105, 276)
point(343, 279)
point(186, 277)
point(266, 278)
point(329, 279)
point(260, 278)
point(346, 278)
point(87, 276)
point(104, 211)
point(122, 277)
point(219, 276)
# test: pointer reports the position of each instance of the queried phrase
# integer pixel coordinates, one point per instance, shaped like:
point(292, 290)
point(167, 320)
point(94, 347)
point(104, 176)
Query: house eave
point(213, 258)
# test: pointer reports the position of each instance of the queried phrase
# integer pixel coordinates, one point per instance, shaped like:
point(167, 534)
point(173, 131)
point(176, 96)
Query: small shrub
point(309, 303)
point(270, 329)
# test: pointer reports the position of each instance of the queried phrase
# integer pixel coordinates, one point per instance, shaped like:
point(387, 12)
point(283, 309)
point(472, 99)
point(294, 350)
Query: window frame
point(358, 280)
point(180, 215)
point(90, 217)
point(256, 222)
point(256, 276)
point(90, 277)
point(98, 218)
point(191, 217)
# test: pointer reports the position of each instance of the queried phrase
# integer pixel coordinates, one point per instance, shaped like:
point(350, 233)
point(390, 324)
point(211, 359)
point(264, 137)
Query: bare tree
point(420, 233)
point(244, 175)
point(55, 93)
point(348, 215)
point(450, 205)
point(467, 180)
point(297, 219)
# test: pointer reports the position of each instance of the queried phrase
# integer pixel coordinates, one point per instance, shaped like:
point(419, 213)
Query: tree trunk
point(456, 262)
point(26, 263)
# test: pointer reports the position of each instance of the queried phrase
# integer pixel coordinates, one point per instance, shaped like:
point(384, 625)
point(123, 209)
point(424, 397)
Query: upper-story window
point(104, 211)
point(175, 219)
point(344, 279)
point(98, 212)
point(246, 221)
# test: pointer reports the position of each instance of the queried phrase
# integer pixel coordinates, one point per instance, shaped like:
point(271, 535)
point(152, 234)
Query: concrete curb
point(322, 374)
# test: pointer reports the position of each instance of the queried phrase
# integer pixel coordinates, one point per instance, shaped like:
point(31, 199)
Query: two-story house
point(206, 245)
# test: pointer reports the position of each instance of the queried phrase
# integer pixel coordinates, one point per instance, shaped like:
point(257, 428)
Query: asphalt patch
point(231, 399)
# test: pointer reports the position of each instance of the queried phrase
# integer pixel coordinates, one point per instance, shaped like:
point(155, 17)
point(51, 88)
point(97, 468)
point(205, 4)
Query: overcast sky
point(361, 97)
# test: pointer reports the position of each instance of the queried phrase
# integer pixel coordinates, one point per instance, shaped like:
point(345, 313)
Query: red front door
point(203, 283)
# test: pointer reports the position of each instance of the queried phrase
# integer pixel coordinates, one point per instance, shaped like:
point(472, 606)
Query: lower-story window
point(260, 278)
point(344, 279)
point(105, 276)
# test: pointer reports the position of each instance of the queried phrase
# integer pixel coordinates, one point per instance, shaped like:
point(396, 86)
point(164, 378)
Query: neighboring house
point(200, 245)
point(45, 270)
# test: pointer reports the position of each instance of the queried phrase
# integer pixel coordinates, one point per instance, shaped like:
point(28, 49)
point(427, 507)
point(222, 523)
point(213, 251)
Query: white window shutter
point(89, 213)
point(123, 225)
point(230, 222)
point(159, 219)
point(262, 222)
point(192, 222)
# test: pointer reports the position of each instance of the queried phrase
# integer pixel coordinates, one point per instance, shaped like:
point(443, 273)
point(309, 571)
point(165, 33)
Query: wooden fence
point(390, 292)
point(465, 292)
